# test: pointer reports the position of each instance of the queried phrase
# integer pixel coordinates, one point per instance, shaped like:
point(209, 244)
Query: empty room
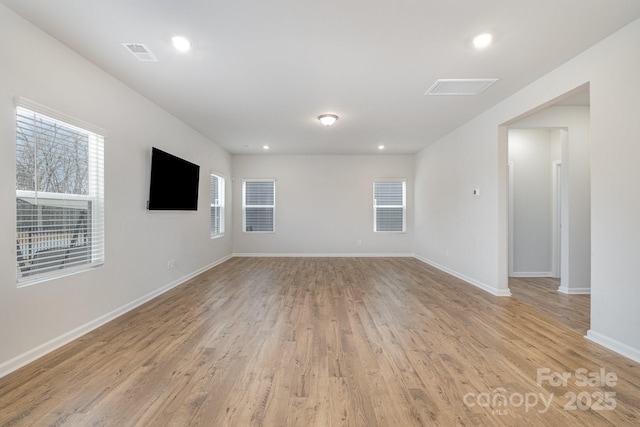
point(343, 214)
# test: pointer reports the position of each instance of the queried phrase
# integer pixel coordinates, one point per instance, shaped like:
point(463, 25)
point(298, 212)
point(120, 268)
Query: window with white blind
point(258, 205)
point(217, 206)
point(59, 194)
point(389, 206)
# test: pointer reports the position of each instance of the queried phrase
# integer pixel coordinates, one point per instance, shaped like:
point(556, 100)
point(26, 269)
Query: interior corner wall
point(38, 318)
point(465, 233)
point(324, 205)
point(456, 230)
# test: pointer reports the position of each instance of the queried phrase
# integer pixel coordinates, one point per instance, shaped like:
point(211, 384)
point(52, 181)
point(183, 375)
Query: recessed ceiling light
point(381, 147)
point(328, 119)
point(181, 43)
point(483, 40)
point(265, 147)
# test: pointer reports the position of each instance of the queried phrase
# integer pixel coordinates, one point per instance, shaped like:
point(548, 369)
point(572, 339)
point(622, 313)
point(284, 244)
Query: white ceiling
point(260, 72)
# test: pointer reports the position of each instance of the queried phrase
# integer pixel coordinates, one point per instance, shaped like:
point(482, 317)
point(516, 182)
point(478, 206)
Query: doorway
point(535, 202)
point(548, 208)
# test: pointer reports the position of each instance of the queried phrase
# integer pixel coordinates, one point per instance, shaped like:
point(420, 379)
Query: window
point(258, 205)
point(389, 206)
point(217, 206)
point(59, 194)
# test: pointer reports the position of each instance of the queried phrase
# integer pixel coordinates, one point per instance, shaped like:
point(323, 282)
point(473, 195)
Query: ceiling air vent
point(460, 86)
point(140, 51)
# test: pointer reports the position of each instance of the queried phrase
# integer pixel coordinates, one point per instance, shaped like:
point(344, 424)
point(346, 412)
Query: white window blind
point(217, 206)
point(389, 206)
point(59, 195)
point(258, 205)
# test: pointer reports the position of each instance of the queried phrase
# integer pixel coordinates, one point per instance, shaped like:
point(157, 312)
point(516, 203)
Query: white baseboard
point(574, 291)
point(323, 255)
point(492, 290)
point(41, 350)
point(531, 274)
point(611, 344)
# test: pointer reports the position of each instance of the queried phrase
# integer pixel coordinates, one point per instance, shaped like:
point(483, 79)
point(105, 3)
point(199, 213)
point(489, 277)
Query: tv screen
point(174, 183)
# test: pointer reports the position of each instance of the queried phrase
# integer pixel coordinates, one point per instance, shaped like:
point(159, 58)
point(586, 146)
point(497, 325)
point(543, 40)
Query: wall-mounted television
point(174, 183)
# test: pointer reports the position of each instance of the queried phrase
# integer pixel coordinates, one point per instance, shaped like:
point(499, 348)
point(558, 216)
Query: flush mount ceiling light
point(327, 119)
point(483, 40)
point(181, 43)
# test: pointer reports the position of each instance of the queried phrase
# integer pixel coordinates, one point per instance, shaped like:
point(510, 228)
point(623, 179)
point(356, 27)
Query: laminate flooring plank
point(330, 342)
point(541, 293)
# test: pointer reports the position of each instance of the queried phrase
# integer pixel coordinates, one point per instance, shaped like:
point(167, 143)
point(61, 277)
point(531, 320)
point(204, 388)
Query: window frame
point(220, 204)
point(376, 207)
point(245, 206)
point(94, 197)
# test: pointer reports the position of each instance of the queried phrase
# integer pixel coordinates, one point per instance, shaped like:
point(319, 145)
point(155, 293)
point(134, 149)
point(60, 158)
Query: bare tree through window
point(54, 196)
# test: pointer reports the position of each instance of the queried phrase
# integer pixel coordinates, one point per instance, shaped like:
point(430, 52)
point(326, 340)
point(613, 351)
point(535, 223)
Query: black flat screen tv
point(174, 183)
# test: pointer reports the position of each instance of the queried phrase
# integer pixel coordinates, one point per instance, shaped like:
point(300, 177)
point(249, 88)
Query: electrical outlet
point(359, 242)
point(171, 263)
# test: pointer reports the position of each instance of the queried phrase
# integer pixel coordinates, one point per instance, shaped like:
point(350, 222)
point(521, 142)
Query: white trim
point(492, 290)
point(531, 274)
point(20, 101)
point(556, 219)
point(221, 205)
point(43, 349)
point(574, 291)
point(510, 207)
point(30, 114)
point(614, 345)
point(23, 282)
point(245, 206)
point(382, 207)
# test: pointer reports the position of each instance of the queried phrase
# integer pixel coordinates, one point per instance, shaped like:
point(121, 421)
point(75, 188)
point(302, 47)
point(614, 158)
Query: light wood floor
point(541, 293)
point(323, 342)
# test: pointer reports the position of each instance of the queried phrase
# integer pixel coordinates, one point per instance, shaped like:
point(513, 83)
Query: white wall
point(456, 230)
point(467, 234)
point(324, 204)
point(531, 162)
point(463, 233)
point(576, 194)
point(37, 318)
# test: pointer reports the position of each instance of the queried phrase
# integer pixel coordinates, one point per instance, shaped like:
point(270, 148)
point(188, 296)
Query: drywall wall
point(324, 204)
point(530, 161)
point(37, 318)
point(576, 197)
point(455, 229)
point(467, 235)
